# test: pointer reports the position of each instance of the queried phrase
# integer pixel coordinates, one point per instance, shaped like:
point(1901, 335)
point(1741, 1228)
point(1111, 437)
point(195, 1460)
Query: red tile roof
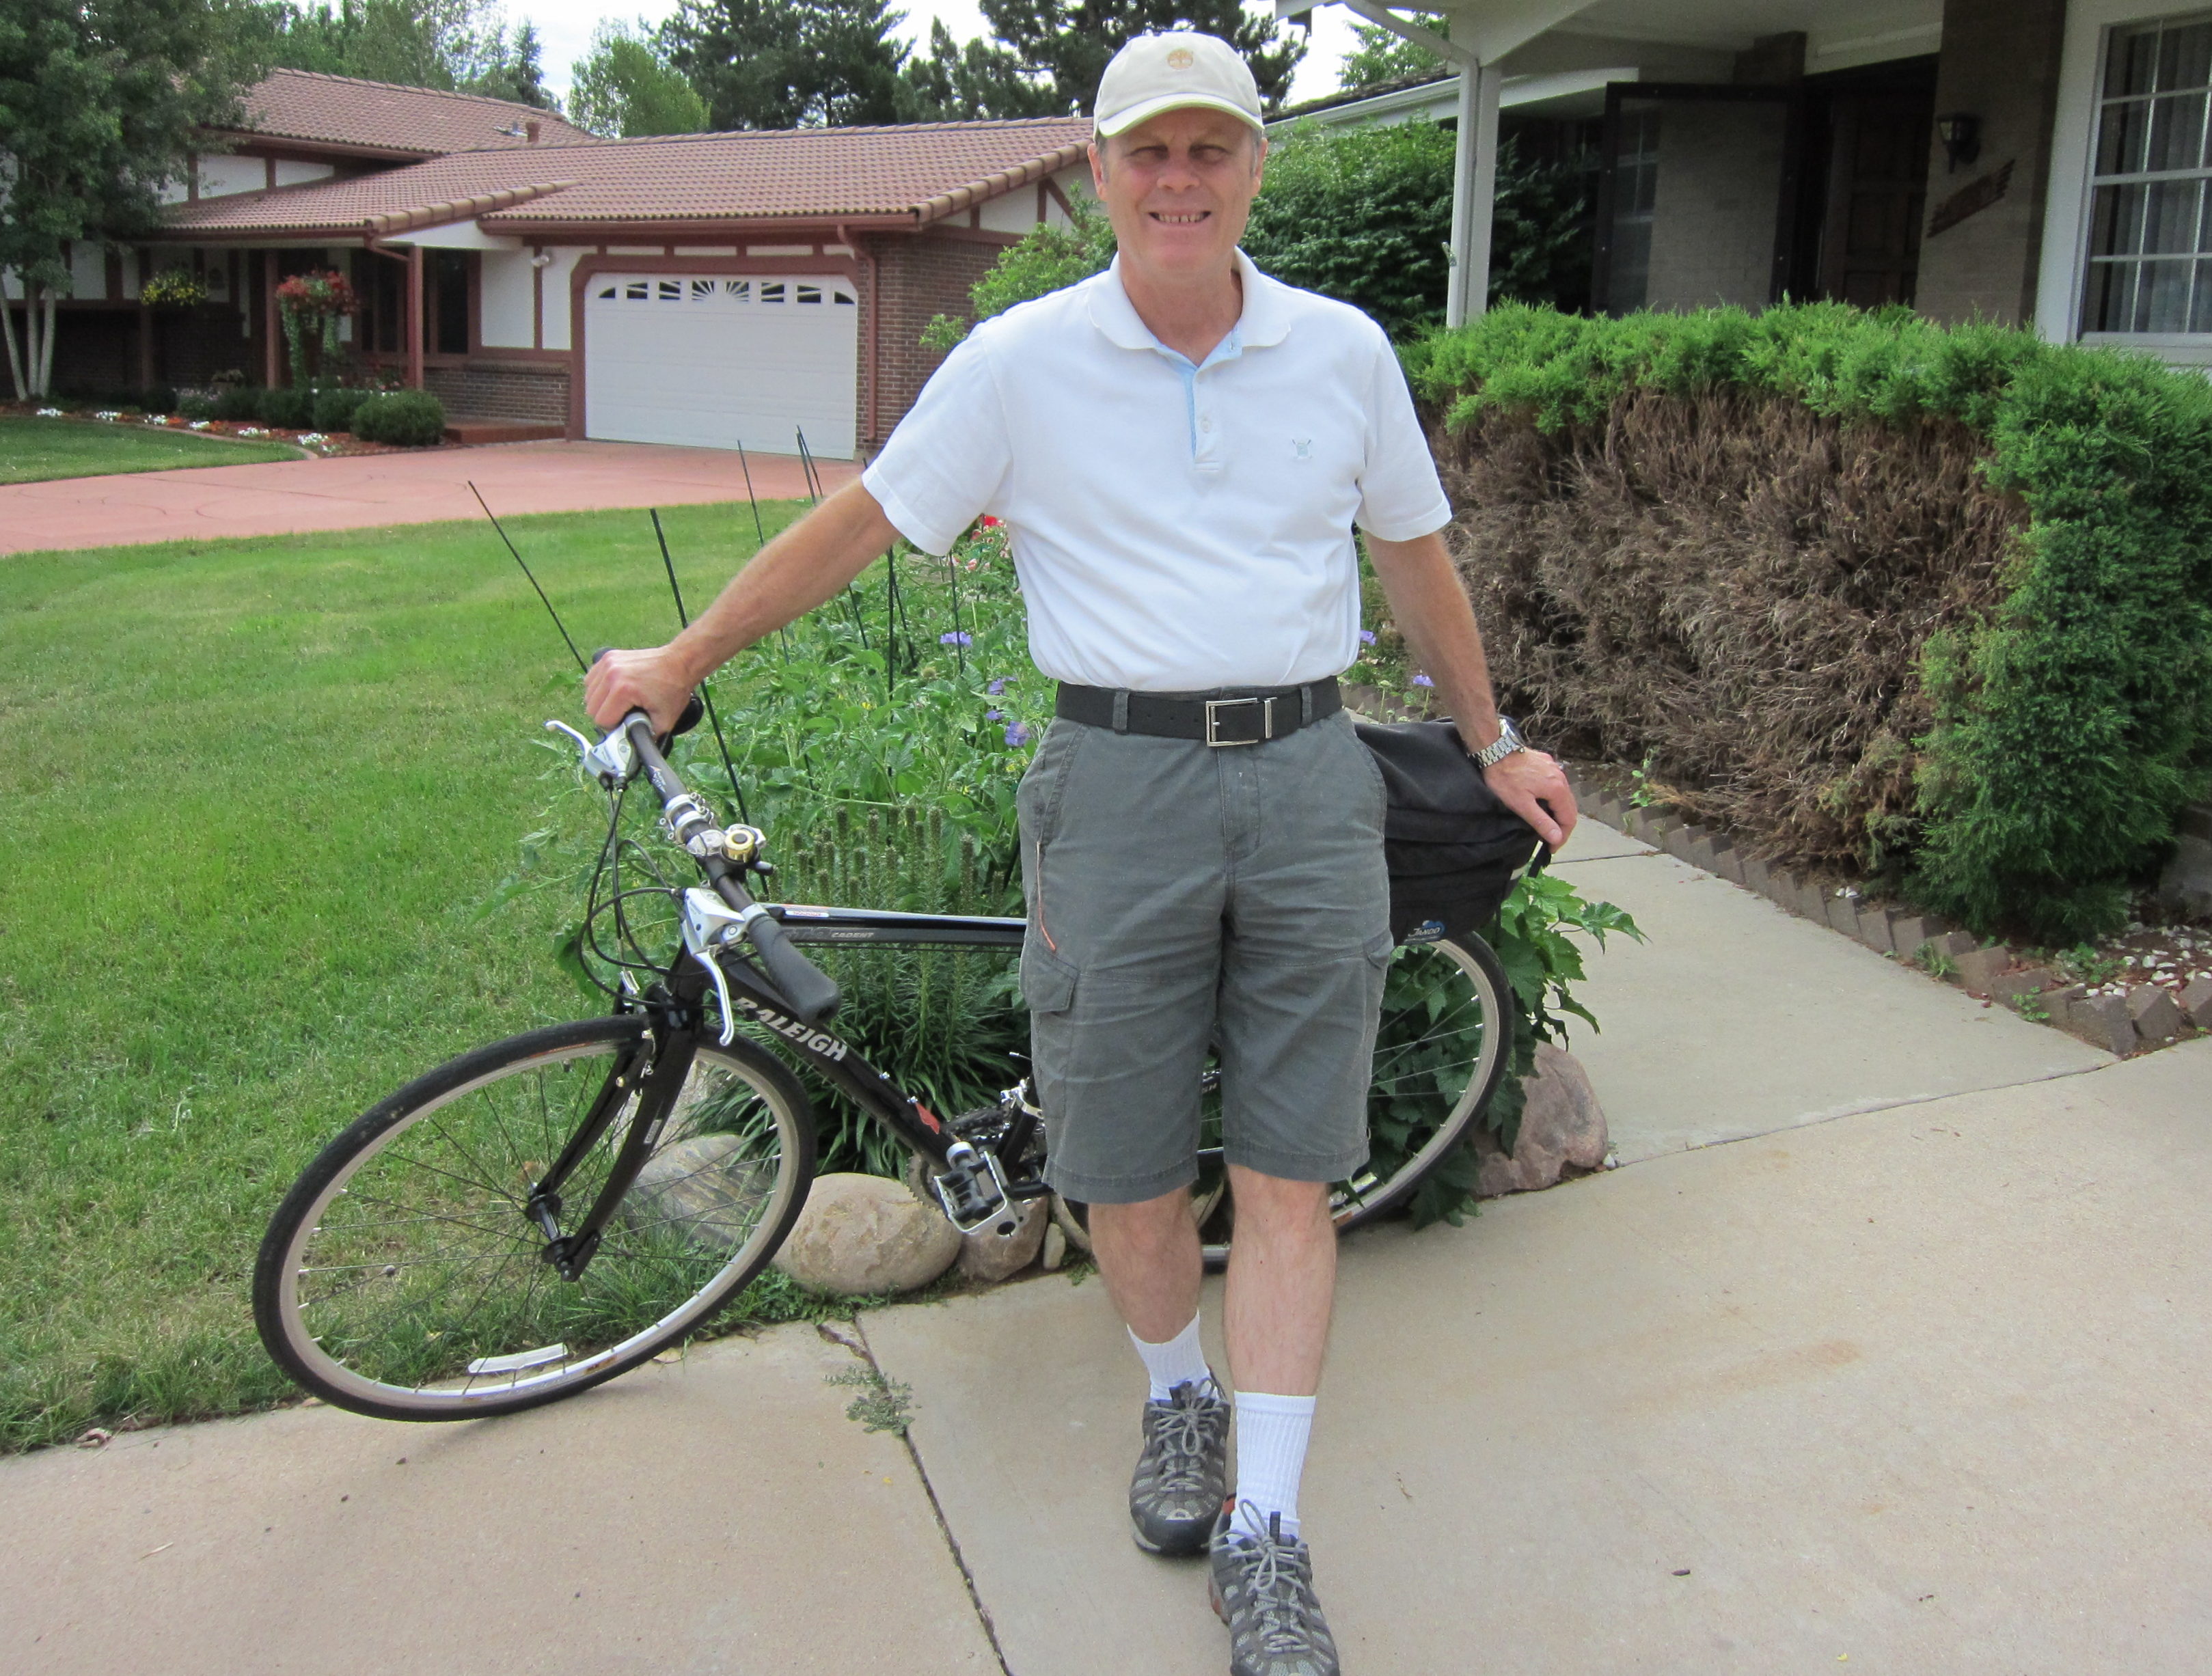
point(916, 173)
point(382, 117)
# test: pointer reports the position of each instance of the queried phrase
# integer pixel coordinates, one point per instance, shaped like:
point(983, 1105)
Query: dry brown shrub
point(1735, 590)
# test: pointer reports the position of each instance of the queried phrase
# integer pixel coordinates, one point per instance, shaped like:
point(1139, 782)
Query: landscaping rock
point(2102, 1021)
point(2153, 1013)
point(703, 1188)
point(1055, 1247)
point(1908, 932)
point(863, 1234)
point(1843, 915)
point(1948, 944)
point(1727, 864)
point(1706, 849)
point(1562, 1124)
point(2010, 988)
point(2196, 1004)
point(1979, 967)
point(2056, 1004)
point(992, 1258)
point(1873, 928)
point(1812, 900)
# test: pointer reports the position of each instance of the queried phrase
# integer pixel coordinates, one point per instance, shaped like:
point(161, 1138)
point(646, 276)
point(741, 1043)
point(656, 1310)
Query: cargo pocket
point(1047, 982)
point(1377, 950)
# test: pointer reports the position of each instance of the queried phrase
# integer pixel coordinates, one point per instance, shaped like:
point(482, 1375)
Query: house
point(2038, 163)
point(715, 290)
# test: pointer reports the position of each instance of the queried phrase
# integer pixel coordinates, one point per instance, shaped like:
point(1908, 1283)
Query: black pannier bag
point(1452, 848)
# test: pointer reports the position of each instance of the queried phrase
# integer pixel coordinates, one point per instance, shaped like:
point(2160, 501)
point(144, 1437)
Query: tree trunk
point(46, 350)
point(15, 355)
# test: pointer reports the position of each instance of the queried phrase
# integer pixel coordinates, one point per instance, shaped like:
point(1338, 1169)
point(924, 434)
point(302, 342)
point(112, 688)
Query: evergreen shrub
point(238, 404)
point(335, 408)
point(1936, 599)
point(195, 407)
point(288, 407)
point(405, 418)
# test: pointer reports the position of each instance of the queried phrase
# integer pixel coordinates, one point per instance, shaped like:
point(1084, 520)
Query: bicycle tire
point(728, 1177)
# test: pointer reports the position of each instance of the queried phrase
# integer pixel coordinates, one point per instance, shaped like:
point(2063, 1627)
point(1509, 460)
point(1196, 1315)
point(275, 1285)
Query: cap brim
point(1122, 121)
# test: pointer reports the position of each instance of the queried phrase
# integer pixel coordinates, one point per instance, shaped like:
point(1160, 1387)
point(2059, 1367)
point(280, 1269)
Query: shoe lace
point(1278, 1575)
point(1183, 1428)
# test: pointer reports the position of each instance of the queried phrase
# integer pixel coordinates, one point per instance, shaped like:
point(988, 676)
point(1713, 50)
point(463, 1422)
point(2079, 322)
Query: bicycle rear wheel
point(1443, 1041)
point(402, 1278)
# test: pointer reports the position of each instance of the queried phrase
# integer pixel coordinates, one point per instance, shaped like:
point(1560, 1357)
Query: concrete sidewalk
point(364, 491)
point(1914, 1388)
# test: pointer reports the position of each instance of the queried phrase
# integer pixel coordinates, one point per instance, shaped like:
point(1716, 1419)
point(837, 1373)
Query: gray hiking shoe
point(1263, 1590)
point(1183, 1473)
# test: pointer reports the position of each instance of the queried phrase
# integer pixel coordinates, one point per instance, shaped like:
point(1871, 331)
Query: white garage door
point(715, 362)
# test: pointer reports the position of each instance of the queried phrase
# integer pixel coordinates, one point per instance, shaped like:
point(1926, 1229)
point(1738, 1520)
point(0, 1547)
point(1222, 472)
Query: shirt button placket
point(1209, 457)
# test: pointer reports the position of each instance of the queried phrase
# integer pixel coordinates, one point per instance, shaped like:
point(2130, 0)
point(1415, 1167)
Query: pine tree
point(792, 64)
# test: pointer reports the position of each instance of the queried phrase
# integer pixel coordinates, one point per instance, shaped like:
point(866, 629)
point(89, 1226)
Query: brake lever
point(611, 762)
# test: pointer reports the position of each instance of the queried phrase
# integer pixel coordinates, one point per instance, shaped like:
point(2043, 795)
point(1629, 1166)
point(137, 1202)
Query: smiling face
point(1178, 189)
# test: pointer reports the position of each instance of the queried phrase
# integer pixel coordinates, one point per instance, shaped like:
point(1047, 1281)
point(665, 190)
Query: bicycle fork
point(652, 1073)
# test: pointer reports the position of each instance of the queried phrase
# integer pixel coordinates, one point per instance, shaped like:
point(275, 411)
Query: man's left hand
point(1534, 788)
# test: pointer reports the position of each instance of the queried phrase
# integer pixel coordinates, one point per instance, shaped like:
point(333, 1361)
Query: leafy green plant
point(238, 404)
point(288, 407)
point(1049, 259)
point(883, 1405)
point(1934, 961)
point(2085, 963)
point(1534, 937)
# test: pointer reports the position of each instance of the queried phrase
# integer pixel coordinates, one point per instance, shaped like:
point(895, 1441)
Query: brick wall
point(2001, 62)
point(531, 391)
point(919, 279)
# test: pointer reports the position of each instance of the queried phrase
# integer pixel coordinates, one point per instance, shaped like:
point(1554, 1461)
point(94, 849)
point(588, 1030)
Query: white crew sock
point(1270, 1453)
point(1180, 1361)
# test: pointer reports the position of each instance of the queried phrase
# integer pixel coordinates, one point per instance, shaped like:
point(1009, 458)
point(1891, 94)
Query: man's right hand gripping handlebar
point(811, 993)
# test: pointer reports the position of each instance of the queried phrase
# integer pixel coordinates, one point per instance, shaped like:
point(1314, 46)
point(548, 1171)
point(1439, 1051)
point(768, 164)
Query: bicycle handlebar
point(811, 993)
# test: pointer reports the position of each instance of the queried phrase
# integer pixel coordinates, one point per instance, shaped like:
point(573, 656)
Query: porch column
point(413, 316)
point(272, 331)
point(1475, 193)
point(145, 345)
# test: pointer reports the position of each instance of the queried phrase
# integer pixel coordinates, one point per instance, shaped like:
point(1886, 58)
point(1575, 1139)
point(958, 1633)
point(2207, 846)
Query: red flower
point(988, 522)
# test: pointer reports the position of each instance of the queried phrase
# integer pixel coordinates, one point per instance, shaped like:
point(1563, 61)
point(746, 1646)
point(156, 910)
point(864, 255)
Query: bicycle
point(545, 1212)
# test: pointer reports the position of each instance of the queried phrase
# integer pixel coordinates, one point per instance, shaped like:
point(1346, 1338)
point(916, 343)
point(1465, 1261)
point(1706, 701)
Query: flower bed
point(327, 444)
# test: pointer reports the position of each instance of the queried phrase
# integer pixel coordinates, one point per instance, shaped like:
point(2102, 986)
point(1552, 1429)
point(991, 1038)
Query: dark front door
point(1876, 197)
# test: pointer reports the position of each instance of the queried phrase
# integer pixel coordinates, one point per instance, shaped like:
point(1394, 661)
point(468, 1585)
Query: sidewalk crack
point(859, 1346)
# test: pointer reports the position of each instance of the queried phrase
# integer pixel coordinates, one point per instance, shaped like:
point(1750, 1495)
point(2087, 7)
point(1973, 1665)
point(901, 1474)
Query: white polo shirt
point(1176, 528)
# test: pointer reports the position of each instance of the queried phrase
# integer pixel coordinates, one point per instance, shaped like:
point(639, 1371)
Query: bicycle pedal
point(972, 1192)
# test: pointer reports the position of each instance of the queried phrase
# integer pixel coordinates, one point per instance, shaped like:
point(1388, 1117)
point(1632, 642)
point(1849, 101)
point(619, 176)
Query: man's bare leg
point(1282, 1283)
point(1149, 1257)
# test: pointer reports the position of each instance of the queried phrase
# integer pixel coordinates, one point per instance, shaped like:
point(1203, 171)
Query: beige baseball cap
point(1157, 73)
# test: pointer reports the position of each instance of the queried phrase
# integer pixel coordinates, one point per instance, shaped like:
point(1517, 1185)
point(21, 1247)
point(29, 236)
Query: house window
point(2150, 237)
point(449, 305)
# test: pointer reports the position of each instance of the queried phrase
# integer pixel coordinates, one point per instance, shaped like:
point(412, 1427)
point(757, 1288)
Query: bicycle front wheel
point(403, 1276)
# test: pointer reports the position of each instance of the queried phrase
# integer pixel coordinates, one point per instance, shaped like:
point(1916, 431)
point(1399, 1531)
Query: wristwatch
point(1508, 741)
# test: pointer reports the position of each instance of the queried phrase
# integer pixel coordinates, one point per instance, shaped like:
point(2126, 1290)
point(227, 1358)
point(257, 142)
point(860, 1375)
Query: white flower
point(50, 413)
point(252, 430)
point(313, 438)
point(107, 414)
point(200, 424)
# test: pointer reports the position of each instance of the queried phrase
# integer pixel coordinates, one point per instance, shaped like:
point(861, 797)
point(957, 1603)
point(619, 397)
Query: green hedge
point(335, 406)
point(288, 407)
point(2074, 722)
point(409, 418)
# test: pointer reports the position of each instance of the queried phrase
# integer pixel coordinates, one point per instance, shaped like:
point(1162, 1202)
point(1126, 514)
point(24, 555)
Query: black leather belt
point(1239, 716)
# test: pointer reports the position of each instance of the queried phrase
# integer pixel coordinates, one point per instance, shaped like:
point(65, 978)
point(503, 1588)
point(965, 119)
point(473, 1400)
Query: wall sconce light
point(1961, 134)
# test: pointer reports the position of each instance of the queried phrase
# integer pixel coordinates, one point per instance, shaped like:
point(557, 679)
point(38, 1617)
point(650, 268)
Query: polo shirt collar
point(1264, 321)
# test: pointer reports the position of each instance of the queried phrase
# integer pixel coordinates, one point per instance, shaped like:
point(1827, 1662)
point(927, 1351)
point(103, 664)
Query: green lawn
point(35, 450)
point(253, 795)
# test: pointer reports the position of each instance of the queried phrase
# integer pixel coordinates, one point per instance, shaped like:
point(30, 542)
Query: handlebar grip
point(812, 992)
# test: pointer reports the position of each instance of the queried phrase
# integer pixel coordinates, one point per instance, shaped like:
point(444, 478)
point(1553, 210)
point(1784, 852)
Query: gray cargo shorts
point(1184, 897)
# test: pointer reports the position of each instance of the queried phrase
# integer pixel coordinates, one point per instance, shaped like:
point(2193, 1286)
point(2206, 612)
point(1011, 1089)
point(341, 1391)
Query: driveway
point(284, 497)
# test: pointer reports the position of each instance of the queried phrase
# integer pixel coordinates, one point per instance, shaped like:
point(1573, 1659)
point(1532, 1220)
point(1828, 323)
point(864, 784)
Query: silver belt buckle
point(1214, 706)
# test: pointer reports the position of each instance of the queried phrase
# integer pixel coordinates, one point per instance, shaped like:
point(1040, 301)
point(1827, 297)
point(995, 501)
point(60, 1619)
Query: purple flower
point(955, 637)
point(1367, 637)
point(994, 715)
point(1423, 681)
point(1017, 734)
point(997, 686)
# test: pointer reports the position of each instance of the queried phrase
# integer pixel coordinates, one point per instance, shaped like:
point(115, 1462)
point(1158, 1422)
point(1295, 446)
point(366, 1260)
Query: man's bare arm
point(808, 563)
point(1432, 612)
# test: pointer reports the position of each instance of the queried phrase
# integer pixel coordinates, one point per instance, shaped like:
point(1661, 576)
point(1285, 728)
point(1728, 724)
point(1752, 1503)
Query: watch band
point(1508, 741)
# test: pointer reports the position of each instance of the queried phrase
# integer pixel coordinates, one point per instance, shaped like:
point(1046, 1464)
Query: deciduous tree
point(99, 101)
point(624, 86)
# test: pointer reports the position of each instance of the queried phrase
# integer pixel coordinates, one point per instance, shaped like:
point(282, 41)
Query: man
point(1182, 446)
